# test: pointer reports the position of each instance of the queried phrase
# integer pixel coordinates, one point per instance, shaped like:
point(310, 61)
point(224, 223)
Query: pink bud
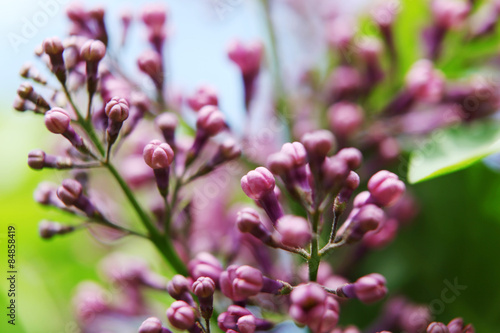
point(205, 264)
point(341, 31)
point(318, 143)
point(151, 325)
point(117, 109)
point(308, 300)
point(370, 288)
point(210, 120)
point(239, 283)
point(53, 46)
point(436, 327)
point(279, 163)
point(178, 286)
point(149, 62)
point(205, 95)
point(229, 149)
point(158, 155)
point(70, 191)
point(36, 159)
point(246, 324)
point(367, 218)
point(247, 220)
point(456, 325)
point(335, 171)
point(204, 287)
point(154, 15)
point(424, 82)
point(385, 187)
point(295, 231)
point(181, 315)
point(57, 120)
point(345, 118)
point(383, 235)
point(351, 156)
point(257, 183)
point(247, 56)
point(296, 151)
point(167, 121)
point(93, 50)
point(450, 14)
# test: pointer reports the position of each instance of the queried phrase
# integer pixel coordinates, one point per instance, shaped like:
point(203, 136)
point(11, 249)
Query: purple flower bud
point(158, 155)
point(117, 109)
point(345, 82)
point(383, 235)
point(181, 315)
point(150, 63)
point(450, 14)
point(26, 91)
point(48, 229)
point(369, 217)
point(351, 156)
point(204, 287)
point(167, 123)
point(280, 163)
point(424, 82)
point(178, 288)
point(239, 283)
point(90, 300)
point(345, 119)
point(368, 289)
point(205, 265)
point(53, 46)
point(154, 15)
point(57, 120)
point(318, 144)
point(340, 32)
point(228, 150)
point(70, 191)
point(248, 57)
point(246, 324)
point(248, 221)
point(257, 183)
point(312, 307)
point(362, 199)
point(36, 159)
point(334, 171)
point(295, 231)
point(93, 51)
point(210, 120)
point(436, 327)
point(204, 95)
point(153, 325)
point(296, 151)
point(351, 184)
point(385, 187)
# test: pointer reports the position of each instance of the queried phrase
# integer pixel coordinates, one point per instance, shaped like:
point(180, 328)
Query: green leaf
point(453, 149)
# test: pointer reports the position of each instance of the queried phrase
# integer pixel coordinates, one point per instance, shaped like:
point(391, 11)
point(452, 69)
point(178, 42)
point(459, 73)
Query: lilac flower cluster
point(270, 263)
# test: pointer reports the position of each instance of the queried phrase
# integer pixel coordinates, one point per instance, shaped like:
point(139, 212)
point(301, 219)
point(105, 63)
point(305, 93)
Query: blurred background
point(454, 238)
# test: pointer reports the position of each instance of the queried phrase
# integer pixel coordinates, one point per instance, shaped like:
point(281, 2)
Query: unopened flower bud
point(158, 155)
point(204, 288)
point(57, 120)
point(181, 315)
point(295, 231)
point(210, 120)
point(246, 324)
point(450, 14)
point(239, 283)
point(368, 289)
point(117, 109)
point(93, 51)
point(204, 95)
point(385, 187)
point(351, 156)
point(248, 221)
point(205, 265)
point(318, 143)
point(369, 217)
point(53, 46)
point(150, 63)
point(436, 327)
point(334, 171)
point(167, 123)
point(178, 288)
point(70, 191)
point(424, 82)
point(257, 183)
point(153, 325)
point(48, 229)
point(345, 119)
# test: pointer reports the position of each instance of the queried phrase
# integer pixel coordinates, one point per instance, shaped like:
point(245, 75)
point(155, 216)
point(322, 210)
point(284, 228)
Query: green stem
point(314, 261)
point(163, 244)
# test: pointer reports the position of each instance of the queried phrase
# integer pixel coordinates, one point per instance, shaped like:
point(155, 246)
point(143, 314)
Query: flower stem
point(314, 260)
